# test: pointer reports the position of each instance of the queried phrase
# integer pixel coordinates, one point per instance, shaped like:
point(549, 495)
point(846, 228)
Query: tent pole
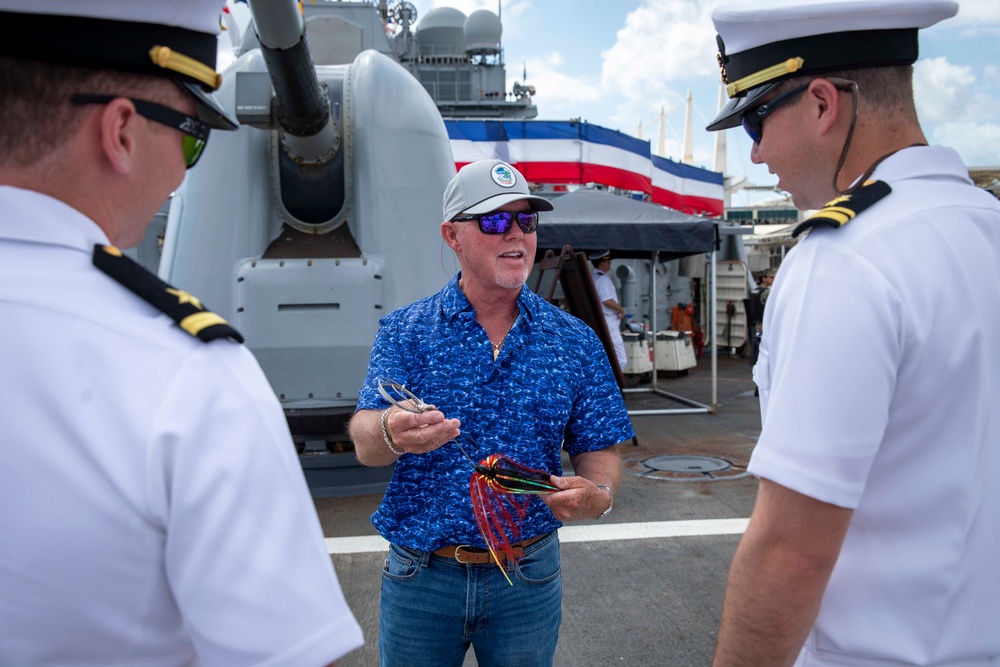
point(712, 328)
point(652, 313)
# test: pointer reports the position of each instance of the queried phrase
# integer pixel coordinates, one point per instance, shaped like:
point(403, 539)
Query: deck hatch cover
point(685, 468)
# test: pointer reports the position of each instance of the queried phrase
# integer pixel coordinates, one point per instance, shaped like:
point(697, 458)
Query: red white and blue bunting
point(563, 152)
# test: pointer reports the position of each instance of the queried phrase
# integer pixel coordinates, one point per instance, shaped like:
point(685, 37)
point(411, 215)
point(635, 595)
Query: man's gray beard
point(512, 283)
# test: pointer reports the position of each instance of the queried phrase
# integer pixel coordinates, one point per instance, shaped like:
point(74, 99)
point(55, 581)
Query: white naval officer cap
point(176, 39)
point(764, 43)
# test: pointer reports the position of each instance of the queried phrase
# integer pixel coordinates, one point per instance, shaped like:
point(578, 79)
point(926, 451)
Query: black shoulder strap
point(183, 308)
point(842, 210)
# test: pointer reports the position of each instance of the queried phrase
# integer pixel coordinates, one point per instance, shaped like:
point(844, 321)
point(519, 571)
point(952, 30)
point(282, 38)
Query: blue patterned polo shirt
point(550, 387)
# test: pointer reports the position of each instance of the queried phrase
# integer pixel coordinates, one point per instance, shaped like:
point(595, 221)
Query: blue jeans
point(433, 608)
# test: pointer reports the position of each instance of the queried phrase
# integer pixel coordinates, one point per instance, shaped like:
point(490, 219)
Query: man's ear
point(118, 124)
point(827, 103)
point(450, 236)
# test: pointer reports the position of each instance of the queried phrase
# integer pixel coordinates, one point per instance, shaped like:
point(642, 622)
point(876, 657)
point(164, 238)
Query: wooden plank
point(573, 274)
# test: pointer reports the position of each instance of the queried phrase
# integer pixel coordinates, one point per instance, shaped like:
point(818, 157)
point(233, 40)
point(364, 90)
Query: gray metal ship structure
point(458, 59)
point(319, 215)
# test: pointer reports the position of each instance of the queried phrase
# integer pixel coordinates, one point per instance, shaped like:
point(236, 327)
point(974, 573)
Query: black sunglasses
point(195, 132)
point(753, 120)
point(500, 222)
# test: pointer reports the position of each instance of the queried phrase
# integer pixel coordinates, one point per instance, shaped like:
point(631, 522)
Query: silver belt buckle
point(458, 550)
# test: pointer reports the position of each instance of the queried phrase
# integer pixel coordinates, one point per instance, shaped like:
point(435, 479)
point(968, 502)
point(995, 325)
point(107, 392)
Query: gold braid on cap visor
point(763, 76)
point(167, 58)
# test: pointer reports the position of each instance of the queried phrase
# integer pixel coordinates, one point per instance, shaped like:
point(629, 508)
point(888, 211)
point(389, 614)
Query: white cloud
point(978, 12)
point(554, 59)
point(628, 114)
point(662, 42)
point(559, 93)
point(992, 75)
point(975, 142)
point(943, 91)
point(665, 49)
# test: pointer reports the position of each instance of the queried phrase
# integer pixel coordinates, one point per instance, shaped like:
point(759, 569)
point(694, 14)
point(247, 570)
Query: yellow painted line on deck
point(591, 533)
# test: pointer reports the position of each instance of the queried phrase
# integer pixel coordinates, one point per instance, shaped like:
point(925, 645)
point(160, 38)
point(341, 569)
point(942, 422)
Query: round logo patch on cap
point(503, 176)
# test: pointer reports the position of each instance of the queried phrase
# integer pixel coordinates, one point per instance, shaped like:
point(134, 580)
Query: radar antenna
point(523, 92)
point(404, 14)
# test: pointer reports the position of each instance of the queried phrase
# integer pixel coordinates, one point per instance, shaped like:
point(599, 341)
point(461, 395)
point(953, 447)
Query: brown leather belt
point(467, 555)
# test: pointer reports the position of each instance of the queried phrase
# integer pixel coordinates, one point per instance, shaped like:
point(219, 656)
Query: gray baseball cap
point(486, 185)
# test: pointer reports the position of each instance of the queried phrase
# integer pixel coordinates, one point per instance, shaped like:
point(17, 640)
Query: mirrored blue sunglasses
point(500, 222)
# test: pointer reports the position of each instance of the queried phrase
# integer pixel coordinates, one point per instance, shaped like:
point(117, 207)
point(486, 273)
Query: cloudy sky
point(615, 63)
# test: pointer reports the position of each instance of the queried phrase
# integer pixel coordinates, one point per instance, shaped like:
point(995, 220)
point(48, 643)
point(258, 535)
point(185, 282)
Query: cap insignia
point(502, 176)
point(721, 57)
point(838, 212)
point(167, 58)
point(789, 66)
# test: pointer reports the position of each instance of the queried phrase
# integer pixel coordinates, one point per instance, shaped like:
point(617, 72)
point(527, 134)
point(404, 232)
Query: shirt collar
point(920, 162)
point(38, 218)
point(454, 301)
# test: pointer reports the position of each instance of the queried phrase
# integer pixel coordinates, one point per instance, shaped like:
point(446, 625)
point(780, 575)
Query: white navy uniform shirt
point(152, 509)
point(605, 289)
point(879, 378)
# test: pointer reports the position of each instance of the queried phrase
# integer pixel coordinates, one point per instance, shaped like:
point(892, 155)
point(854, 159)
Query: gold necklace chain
point(497, 346)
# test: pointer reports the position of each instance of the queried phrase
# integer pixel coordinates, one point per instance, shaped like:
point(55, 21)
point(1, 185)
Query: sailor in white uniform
point(875, 537)
point(152, 509)
point(610, 307)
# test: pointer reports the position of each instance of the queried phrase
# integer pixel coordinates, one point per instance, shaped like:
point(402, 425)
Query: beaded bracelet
point(385, 434)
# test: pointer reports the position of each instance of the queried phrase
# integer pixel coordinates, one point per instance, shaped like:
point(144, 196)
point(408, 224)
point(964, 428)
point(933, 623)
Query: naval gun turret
point(314, 219)
point(310, 162)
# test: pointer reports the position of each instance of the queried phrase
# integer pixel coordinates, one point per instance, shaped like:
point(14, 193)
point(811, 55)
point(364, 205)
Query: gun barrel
point(303, 109)
point(310, 164)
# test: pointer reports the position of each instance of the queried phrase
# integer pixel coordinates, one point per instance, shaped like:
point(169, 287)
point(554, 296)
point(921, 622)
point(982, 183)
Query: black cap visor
point(733, 111)
point(210, 111)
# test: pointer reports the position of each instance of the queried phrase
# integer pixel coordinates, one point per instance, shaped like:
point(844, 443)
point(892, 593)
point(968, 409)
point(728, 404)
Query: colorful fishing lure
point(498, 487)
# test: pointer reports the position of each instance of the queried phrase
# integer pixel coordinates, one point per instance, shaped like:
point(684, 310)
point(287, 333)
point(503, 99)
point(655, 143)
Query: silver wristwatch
point(611, 504)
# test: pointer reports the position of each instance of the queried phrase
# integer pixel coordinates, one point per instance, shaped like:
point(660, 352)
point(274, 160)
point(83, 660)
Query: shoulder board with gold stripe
point(842, 210)
point(182, 307)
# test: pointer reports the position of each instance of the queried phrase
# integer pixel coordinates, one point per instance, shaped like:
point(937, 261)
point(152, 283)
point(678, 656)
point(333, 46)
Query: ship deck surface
point(652, 593)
